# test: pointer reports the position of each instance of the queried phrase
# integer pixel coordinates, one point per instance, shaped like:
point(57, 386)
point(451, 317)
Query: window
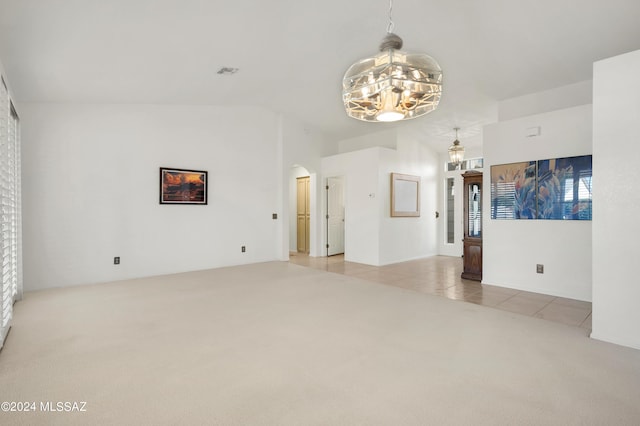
point(450, 210)
point(577, 194)
point(470, 164)
point(453, 204)
point(10, 229)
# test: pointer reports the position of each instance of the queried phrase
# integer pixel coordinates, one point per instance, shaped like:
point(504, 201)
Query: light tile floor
point(440, 276)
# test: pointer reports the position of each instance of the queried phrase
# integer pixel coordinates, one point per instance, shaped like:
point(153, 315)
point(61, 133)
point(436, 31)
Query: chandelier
point(392, 85)
point(456, 151)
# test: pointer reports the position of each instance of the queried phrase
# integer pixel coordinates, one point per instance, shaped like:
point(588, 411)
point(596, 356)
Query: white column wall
point(616, 112)
point(407, 238)
point(362, 202)
point(372, 236)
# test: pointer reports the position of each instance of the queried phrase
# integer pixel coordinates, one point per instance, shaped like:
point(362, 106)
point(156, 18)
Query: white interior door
point(335, 215)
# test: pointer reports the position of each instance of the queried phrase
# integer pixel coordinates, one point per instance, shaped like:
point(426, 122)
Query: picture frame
point(513, 190)
point(551, 189)
point(405, 195)
point(564, 188)
point(183, 186)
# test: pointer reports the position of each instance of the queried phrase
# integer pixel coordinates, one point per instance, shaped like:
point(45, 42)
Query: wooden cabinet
point(304, 215)
point(472, 241)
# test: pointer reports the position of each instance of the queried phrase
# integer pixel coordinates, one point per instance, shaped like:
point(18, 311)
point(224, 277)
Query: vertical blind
point(10, 224)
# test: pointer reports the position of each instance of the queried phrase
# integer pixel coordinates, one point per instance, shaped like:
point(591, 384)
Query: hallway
point(440, 276)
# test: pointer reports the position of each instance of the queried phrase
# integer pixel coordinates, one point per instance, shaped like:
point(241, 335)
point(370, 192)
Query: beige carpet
point(280, 344)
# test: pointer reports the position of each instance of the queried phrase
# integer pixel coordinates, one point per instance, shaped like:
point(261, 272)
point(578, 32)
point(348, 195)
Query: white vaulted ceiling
point(292, 54)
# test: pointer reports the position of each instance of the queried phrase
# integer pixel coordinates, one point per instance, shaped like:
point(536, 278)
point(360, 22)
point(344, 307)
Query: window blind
point(10, 224)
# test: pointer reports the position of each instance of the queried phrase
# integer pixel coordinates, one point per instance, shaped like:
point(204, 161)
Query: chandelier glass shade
point(392, 85)
point(456, 151)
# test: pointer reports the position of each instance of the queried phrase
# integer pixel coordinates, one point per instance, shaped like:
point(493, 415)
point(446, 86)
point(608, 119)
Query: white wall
point(549, 100)
point(616, 113)
point(407, 238)
point(372, 236)
point(90, 190)
point(362, 202)
point(6, 79)
point(512, 248)
point(384, 137)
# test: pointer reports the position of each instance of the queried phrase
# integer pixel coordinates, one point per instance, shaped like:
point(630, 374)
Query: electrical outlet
point(244, 249)
point(540, 268)
point(116, 260)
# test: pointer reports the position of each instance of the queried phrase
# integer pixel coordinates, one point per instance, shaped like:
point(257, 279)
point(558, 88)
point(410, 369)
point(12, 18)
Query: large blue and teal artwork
point(513, 191)
point(564, 188)
point(556, 189)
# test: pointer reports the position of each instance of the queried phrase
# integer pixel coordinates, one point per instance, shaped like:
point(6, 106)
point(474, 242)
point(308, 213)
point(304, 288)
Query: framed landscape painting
point(183, 186)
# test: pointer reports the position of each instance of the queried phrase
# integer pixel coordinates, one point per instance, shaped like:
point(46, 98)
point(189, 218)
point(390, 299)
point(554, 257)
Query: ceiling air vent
point(227, 71)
